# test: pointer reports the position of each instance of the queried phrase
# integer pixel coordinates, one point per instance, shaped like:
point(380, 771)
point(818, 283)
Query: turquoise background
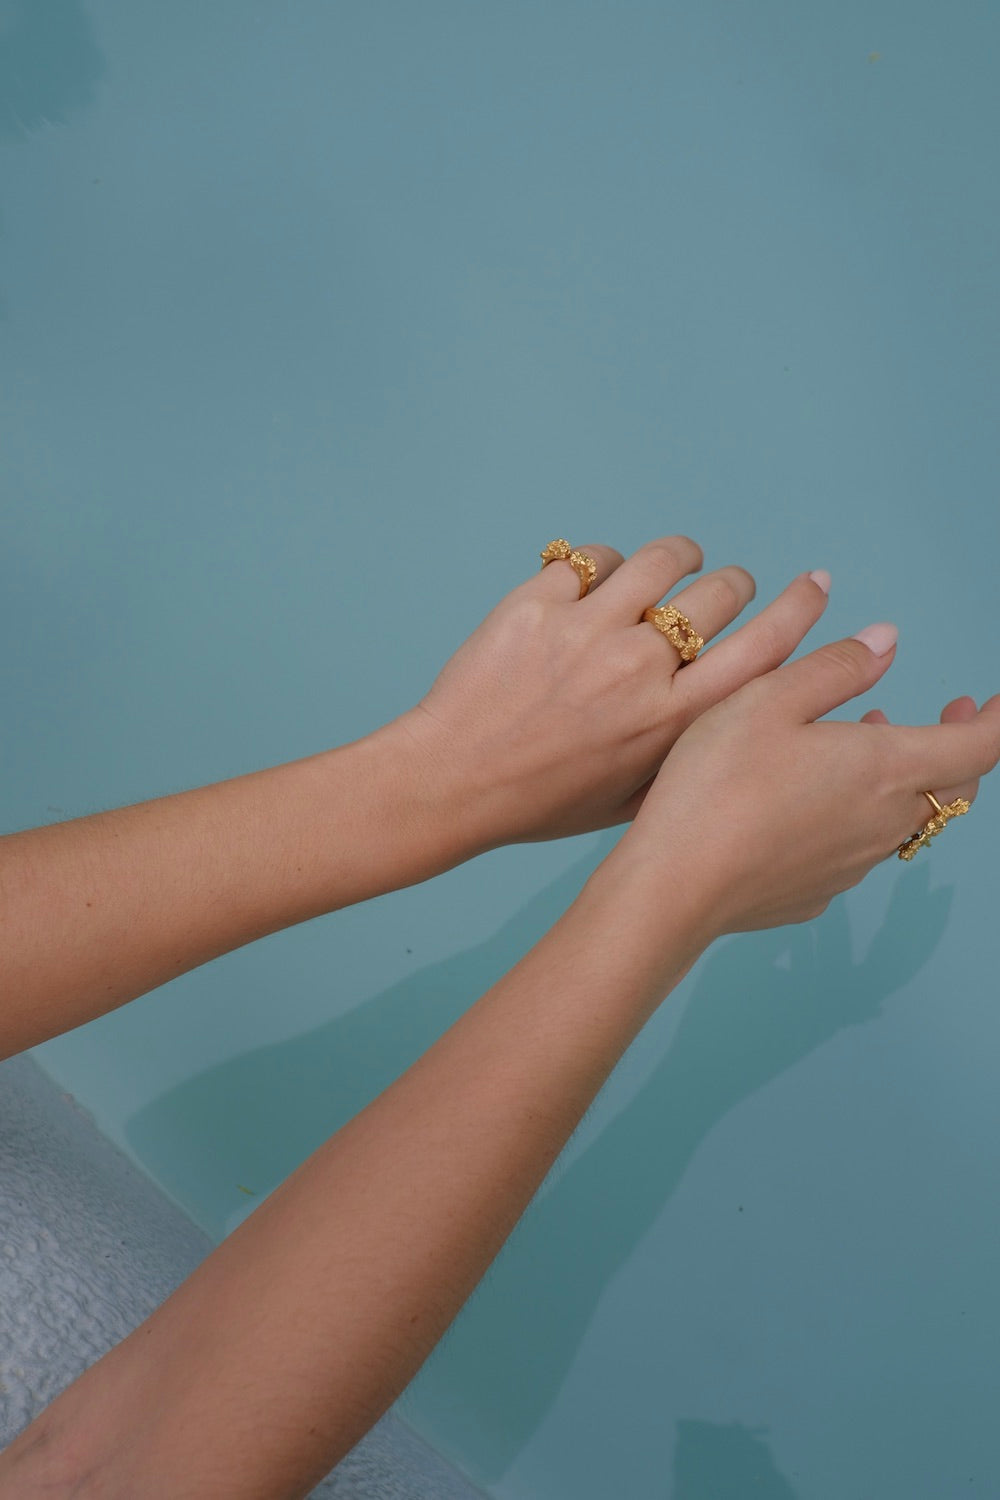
point(316, 322)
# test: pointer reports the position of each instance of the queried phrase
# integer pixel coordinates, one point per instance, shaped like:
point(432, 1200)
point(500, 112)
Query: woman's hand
point(767, 813)
point(355, 1265)
point(548, 721)
point(554, 715)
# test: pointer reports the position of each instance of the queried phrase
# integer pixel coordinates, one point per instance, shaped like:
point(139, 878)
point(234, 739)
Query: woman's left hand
point(767, 809)
point(555, 714)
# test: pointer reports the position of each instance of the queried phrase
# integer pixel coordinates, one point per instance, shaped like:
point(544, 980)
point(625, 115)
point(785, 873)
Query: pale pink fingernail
point(879, 639)
point(822, 579)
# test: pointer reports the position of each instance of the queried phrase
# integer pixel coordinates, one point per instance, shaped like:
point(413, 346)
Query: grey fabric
point(89, 1246)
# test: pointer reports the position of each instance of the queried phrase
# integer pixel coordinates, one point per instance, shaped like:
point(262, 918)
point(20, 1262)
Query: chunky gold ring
point(942, 817)
point(678, 630)
point(583, 565)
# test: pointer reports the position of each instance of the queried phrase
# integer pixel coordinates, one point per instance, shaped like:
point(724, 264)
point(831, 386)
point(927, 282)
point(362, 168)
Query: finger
point(759, 646)
point(823, 680)
point(710, 603)
point(644, 578)
point(921, 807)
point(953, 753)
point(560, 580)
point(958, 711)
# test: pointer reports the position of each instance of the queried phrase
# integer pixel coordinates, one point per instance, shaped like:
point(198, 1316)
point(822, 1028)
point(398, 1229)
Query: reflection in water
point(760, 1004)
point(725, 1463)
point(49, 64)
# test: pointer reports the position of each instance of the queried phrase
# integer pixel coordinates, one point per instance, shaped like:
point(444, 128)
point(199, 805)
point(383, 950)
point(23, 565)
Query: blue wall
point(311, 310)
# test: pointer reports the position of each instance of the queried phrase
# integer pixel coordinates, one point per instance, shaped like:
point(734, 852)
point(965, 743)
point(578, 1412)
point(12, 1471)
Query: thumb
point(815, 684)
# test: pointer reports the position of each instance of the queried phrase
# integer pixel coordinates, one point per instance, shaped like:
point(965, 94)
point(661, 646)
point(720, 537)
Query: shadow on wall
point(249, 1122)
point(50, 64)
point(760, 1004)
point(725, 1463)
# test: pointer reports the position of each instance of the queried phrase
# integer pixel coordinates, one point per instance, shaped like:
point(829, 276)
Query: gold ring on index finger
point(582, 563)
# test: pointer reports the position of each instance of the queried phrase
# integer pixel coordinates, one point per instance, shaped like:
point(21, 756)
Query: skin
point(289, 1341)
point(505, 747)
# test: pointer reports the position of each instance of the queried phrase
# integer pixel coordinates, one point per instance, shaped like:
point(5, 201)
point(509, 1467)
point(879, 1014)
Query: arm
point(292, 1337)
point(101, 909)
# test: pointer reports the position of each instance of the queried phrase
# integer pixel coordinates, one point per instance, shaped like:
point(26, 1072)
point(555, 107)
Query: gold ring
point(582, 564)
point(678, 630)
point(942, 817)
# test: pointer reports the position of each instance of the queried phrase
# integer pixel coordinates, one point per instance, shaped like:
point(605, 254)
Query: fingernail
point(822, 579)
point(879, 639)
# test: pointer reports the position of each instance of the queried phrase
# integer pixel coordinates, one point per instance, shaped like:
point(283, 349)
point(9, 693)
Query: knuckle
point(606, 557)
point(772, 644)
point(673, 552)
point(686, 545)
point(621, 662)
point(527, 614)
point(663, 556)
point(743, 583)
point(725, 590)
point(846, 658)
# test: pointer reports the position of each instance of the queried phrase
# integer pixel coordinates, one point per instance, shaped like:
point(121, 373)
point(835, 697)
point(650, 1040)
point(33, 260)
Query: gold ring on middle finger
point(678, 630)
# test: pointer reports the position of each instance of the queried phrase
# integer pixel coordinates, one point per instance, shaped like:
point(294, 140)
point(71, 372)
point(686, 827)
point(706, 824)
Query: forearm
point(503, 748)
point(101, 909)
point(291, 1339)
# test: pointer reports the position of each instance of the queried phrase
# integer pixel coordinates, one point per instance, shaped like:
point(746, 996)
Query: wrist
point(662, 912)
point(407, 813)
point(448, 782)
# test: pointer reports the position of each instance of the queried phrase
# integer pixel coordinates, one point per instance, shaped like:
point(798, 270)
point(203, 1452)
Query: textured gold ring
point(678, 630)
point(942, 817)
point(582, 564)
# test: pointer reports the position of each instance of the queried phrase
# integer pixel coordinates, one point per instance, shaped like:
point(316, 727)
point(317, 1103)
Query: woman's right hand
point(555, 714)
point(761, 813)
